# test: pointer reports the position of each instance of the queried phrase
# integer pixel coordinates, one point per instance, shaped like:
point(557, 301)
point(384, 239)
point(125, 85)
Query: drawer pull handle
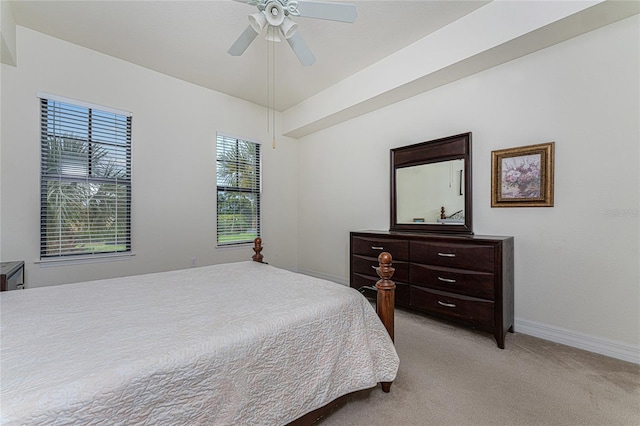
point(447, 280)
point(448, 305)
point(447, 254)
point(377, 248)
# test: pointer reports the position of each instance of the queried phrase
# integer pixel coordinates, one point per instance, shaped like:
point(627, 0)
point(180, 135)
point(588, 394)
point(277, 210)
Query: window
point(85, 181)
point(238, 183)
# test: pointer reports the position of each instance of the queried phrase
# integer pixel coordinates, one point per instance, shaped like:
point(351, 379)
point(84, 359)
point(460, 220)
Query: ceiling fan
point(275, 16)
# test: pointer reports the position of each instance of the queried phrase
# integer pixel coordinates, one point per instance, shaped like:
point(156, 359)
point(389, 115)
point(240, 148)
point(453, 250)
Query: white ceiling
point(189, 39)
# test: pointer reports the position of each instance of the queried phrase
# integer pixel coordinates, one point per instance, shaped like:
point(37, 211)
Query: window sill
point(242, 246)
point(80, 260)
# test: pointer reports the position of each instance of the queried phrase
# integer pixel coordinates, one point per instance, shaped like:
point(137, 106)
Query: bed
point(237, 343)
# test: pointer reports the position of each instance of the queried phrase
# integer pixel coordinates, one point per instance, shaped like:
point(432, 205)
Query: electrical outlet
point(194, 262)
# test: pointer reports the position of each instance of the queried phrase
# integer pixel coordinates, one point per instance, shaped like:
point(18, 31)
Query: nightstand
point(11, 276)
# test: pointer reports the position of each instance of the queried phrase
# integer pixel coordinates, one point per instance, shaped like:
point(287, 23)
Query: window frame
point(118, 151)
point(256, 189)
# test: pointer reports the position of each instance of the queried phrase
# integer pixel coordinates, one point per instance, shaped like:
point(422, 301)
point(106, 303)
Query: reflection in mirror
point(431, 193)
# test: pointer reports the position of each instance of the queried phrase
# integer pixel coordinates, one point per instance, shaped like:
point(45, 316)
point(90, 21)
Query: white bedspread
point(240, 343)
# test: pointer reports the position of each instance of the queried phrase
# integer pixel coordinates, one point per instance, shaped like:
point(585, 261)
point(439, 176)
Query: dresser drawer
point(402, 289)
point(454, 255)
point(399, 249)
point(461, 281)
point(477, 312)
point(366, 265)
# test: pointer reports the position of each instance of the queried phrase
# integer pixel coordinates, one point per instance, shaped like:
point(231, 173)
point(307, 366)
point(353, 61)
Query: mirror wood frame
point(434, 151)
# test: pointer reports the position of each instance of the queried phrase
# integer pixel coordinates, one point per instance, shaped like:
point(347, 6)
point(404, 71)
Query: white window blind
point(85, 184)
point(238, 190)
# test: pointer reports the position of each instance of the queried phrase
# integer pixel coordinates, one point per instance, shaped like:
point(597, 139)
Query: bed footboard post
point(386, 299)
point(386, 292)
point(257, 248)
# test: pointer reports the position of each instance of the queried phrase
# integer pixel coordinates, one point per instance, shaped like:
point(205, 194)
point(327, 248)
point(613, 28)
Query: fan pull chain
point(273, 106)
point(268, 87)
point(271, 85)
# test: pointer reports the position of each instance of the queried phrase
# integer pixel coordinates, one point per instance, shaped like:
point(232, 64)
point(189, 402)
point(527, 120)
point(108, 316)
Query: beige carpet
point(455, 376)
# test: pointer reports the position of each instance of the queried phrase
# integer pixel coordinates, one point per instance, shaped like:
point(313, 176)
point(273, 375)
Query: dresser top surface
point(421, 235)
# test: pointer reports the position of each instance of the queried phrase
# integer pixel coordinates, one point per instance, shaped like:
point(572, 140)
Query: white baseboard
point(589, 343)
point(543, 331)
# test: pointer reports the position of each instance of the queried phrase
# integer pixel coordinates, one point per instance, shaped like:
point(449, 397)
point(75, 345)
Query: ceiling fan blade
point(343, 12)
point(301, 49)
point(241, 44)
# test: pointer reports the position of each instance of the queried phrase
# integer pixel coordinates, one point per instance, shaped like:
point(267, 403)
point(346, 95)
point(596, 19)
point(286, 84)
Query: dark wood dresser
point(464, 278)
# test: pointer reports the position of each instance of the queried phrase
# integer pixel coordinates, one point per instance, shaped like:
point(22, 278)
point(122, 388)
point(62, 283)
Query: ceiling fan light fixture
point(273, 34)
point(257, 21)
point(288, 27)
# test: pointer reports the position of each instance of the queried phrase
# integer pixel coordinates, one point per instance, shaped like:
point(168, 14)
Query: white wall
point(577, 268)
point(174, 129)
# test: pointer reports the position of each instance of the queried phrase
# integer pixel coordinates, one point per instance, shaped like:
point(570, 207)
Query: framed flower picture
point(523, 177)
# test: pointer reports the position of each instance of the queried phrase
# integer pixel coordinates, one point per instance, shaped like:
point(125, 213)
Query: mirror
point(431, 186)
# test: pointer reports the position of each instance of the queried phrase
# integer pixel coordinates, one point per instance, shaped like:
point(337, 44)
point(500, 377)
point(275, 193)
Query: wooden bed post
point(386, 292)
point(386, 299)
point(257, 247)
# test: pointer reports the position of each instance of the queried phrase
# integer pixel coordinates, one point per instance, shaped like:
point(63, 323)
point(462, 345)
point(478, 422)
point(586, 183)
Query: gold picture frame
point(523, 176)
